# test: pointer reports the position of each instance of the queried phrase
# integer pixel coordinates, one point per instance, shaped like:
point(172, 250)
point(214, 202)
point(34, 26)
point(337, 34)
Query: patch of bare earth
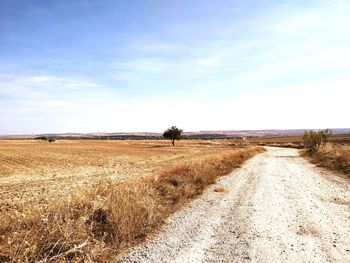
point(36, 173)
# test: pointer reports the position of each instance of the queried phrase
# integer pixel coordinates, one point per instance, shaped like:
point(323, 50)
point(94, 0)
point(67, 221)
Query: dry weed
point(333, 156)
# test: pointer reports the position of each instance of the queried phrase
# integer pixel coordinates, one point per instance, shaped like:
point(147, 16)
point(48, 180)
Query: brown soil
point(35, 173)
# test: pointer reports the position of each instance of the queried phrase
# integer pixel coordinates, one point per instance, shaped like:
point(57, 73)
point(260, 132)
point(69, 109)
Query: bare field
point(89, 200)
point(36, 172)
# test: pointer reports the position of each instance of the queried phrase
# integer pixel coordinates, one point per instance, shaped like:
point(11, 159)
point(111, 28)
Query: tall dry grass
point(109, 216)
point(333, 156)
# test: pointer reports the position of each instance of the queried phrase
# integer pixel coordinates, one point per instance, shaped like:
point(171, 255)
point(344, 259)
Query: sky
point(142, 66)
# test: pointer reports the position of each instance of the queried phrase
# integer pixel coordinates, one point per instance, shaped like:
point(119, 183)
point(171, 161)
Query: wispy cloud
point(43, 93)
point(23, 85)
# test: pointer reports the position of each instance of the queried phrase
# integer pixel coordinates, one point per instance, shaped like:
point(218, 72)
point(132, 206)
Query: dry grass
point(108, 215)
point(37, 173)
point(293, 141)
point(334, 156)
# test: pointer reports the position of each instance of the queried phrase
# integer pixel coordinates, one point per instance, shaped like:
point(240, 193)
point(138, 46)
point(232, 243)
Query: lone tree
point(173, 133)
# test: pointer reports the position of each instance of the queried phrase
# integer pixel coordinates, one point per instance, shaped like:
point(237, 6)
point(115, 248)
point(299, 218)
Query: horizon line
point(155, 132)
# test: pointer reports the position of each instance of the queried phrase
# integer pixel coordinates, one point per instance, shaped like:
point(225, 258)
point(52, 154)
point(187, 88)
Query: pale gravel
point(278, 208)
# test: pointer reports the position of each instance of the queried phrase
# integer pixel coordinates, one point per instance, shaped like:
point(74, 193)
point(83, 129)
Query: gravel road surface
point(277, 208)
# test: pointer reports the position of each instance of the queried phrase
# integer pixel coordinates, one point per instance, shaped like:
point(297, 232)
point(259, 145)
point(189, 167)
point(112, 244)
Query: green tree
point(173, 133)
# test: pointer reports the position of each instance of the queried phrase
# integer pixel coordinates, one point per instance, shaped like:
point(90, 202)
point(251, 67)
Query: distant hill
point(155, 135)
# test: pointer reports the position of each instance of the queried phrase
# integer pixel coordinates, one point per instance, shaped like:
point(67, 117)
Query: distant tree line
point(46, 139)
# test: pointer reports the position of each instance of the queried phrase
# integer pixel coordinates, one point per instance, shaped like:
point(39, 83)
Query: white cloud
point(148, 65)
point(43, 93)
point(313, 104)
point(211, 61)
point(24, 85)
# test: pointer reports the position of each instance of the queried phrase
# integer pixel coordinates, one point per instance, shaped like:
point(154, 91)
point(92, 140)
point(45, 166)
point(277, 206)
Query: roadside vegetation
point(314, 141)
point(334, 157)
point(109, 216)
point(329, 155)
point(295, 141)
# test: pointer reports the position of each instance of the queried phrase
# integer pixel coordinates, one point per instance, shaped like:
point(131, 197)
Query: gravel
point(277, 208)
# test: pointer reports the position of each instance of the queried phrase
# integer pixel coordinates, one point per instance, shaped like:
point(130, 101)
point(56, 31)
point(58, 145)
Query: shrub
point(334, 157)
point(314, 140)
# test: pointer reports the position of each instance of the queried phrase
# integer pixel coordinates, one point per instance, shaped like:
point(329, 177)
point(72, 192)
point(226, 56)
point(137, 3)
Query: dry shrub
point(334, 157)
point(108, 216)
point(315, 140)
point(105, 218)
point(184, 182)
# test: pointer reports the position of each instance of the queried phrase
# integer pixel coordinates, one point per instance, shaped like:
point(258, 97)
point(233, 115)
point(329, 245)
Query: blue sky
point(123, 66)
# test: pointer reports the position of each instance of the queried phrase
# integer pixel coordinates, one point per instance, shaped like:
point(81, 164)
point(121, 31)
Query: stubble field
point(89, 200)
point(36, 173)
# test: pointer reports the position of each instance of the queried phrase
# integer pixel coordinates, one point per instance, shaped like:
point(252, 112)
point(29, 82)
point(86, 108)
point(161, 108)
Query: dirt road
point(277, 208)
